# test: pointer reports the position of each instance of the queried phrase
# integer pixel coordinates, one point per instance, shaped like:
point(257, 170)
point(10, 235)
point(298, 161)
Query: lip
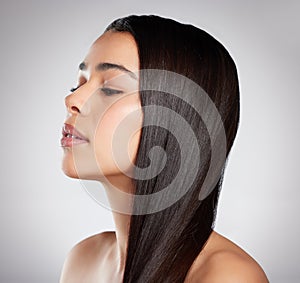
point(71, 136)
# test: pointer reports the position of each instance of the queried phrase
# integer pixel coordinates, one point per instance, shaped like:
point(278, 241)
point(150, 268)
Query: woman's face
point(105, 109)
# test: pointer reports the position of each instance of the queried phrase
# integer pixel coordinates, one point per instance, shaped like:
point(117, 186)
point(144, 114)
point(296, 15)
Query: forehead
point(114, 47)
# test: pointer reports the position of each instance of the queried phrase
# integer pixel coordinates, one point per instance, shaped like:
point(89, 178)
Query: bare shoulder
point(223, 261)
point(85, 257)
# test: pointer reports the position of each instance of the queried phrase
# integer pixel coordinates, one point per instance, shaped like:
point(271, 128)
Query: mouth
point(71, 136)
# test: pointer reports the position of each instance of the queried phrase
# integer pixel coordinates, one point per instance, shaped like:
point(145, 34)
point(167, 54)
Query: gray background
point(44, 213)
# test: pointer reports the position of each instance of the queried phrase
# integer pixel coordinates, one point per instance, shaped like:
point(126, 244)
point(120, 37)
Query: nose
point(71, 105)
point(75, 104)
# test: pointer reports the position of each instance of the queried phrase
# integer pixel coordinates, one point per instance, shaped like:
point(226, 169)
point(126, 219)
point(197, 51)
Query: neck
point(122, 222)
point(120, 204)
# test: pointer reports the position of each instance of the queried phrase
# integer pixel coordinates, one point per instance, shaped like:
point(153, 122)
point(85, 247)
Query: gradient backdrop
point(44, 213)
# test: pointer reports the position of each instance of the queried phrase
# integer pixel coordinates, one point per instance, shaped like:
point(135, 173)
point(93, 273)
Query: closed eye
point(110, 91)
point(105, 90)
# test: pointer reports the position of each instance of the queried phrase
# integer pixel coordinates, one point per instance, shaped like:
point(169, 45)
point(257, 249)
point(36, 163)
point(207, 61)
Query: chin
point(70, 172)
point(68, 167)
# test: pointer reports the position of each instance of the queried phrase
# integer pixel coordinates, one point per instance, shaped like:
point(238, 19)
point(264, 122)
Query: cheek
point(135, 140)
point(117, 137)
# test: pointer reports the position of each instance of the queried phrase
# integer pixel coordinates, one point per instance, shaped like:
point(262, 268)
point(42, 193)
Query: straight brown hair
point(163, 245)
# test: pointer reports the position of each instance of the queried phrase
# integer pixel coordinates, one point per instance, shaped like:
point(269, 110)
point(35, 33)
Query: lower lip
point(69, 142)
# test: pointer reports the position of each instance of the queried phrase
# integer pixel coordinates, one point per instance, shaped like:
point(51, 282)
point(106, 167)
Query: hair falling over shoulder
point(162, 245)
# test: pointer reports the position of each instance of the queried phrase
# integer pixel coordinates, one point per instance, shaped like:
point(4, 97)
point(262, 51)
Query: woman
point(153, 118)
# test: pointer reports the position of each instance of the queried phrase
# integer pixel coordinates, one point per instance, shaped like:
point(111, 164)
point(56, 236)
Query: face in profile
point(103, 126)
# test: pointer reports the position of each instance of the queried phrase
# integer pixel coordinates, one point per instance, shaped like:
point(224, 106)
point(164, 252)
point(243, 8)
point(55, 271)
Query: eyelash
point(74, 89)
point(105, 90)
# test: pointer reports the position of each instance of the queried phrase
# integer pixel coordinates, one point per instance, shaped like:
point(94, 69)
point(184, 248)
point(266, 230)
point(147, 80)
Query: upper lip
point(70, 129)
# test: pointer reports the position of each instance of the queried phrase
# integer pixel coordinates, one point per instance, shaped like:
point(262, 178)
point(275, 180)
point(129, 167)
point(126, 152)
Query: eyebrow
point(108, 66)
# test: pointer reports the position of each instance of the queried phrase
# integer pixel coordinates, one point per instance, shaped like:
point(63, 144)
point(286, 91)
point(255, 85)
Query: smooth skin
point(101, 258)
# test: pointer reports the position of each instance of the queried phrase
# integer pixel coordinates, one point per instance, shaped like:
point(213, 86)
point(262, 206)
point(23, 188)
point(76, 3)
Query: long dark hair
point(162, 245)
